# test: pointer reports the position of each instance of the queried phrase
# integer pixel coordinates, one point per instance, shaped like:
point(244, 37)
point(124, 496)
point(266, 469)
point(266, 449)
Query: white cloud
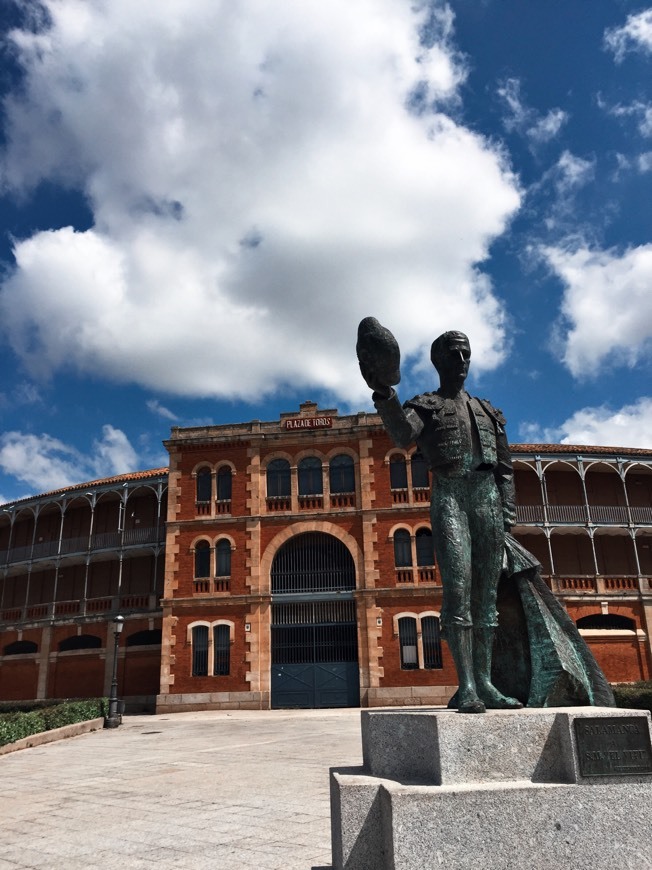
point(606, 308)
point(45, 463)
point(527, 121)
point(634, 35)
point(629, 426)
point(644, 161)
point(571, 172)
point(258, 185)
point(547, 127)
point(640, 111)
point(155, 407)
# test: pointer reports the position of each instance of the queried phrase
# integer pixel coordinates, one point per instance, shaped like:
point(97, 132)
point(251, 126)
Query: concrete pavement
point(228, 790)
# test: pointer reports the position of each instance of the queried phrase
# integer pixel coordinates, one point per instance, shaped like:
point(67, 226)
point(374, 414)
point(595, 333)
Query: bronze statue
point(472, 512)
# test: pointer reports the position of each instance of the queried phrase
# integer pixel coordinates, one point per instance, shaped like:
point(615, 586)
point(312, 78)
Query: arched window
point(425, 548)
point(402, 549)
point(397, 472)
point(200, 651)
point(341, 474)
point(80, 641)
point(431, 642)
point(608, 621)
point(20, 647)
point(204, 484)
point(224, 478)
point(419, 471)
point(407, 638)
point(278, 478)
point(223, 558)
point(146, 637)
point(310, 476)
point(202, 559)
point(221, 650)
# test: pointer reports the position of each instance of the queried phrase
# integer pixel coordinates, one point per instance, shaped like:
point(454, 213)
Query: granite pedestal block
point(506, 789)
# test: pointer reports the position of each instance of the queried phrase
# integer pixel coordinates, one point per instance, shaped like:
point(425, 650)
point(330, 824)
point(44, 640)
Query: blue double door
point(315, 655)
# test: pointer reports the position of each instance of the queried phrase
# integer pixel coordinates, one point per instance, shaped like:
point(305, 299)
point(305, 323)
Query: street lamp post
point(114, 718)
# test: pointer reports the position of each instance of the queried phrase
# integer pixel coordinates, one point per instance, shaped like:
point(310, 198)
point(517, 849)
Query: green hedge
point(635, 695)
point(18, 724)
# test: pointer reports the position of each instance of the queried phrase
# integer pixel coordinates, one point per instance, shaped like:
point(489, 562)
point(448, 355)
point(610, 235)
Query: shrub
point(635, 695)
point(18, 724)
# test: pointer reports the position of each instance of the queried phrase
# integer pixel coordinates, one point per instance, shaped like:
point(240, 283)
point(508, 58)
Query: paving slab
point(234, 790)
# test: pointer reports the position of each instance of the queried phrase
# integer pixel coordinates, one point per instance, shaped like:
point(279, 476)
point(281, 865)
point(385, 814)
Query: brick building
point(296, 569)
point(299, 567)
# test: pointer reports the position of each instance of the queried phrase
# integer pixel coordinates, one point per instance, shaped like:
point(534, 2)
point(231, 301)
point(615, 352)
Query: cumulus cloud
point(525, 120)
point(629, 426)
point(606, 308)
point(634, 35)
point(259, 183)
point(46, 463)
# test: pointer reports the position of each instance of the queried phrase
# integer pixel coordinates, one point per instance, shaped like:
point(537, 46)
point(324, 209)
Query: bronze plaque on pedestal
point(613, 745)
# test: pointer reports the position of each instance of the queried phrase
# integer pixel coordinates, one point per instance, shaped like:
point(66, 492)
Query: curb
point(54, 734)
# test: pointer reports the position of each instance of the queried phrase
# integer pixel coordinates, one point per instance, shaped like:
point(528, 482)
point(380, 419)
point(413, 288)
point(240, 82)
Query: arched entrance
point(314, 628)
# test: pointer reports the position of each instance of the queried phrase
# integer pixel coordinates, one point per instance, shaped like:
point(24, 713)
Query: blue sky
point(199, 201)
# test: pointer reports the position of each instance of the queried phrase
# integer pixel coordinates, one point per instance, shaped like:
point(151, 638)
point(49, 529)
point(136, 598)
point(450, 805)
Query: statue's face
point(454, 359)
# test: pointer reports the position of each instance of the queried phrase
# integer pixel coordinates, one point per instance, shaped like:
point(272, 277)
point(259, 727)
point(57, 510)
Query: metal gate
point(315, 654)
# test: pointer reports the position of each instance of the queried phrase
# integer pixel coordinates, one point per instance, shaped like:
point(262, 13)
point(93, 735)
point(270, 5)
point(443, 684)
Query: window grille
point(312, 562)
point(310, 476)
point(278, 478)
point(224, 483)
point(221, 650)
point(407, 636)
point(419, 471)
point(200, 651)
point(398, 472)
point(431, 642)
point(204, 484)
point(402, 549)
point(223, 558)
point(425, 548)
point(202, 559)
point(342, 474)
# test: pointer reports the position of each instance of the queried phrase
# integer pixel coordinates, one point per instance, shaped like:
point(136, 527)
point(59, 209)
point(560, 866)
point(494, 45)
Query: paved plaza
point(229, 790)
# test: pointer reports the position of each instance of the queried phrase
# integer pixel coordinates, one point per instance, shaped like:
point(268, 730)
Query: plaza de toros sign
point(308, 423)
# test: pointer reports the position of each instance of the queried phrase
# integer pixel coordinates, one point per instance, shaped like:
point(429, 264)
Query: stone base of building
point(407, 696)
point(500, 790)
point(212, 701)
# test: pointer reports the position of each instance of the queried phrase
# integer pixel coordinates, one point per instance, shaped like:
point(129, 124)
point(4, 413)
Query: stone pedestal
point(534, 788)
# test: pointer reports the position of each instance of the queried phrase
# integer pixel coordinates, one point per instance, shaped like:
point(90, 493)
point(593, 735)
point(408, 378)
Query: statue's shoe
point(468, 702)
point(495, 700)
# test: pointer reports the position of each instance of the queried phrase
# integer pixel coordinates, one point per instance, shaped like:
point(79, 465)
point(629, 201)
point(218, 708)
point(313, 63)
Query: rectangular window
point(221, 650)
point(200, 651)
point(407, 635)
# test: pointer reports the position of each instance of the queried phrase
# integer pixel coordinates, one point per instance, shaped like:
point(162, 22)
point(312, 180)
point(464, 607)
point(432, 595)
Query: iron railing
point(51, 610)
point(92, 543)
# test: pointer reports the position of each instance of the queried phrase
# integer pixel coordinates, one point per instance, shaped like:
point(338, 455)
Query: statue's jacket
point(432, 421)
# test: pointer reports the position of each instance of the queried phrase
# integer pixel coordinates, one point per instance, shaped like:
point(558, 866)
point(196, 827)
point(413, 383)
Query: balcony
point(591, 584)
point(71, 546)
point(581, 514)
point(89, 607)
